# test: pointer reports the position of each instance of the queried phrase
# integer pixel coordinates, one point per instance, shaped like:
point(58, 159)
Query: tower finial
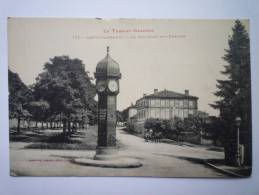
point(108, 49)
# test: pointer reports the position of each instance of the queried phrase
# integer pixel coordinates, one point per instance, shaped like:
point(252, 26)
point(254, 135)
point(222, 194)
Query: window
point(176, 103)
point(152, 113)
point(167, 103)
point(162, 103)
point(185, 103)
point(191, 103)
point(185, 113)
point(153, 102)
point(191, 112)
point(167, 113)
point(163, 113)
point(158, 103)
point(176, 113)
point(157, 112)
point(146, 113)
point(172, 103)
point(181, 103)
point(180, 113)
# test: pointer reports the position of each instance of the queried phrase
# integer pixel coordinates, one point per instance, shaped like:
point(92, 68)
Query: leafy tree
point(19, 98)
point(179, 127)
point(155, 124)
point(149, 123)
point(119, 116)
point(214, 130)
point(194, 124)
point(235, 94)
point(66, 86)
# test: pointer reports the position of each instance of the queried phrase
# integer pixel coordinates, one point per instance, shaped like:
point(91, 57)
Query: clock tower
point(107, 86)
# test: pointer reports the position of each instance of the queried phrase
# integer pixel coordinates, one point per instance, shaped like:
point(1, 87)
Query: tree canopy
point(19, 96)
point(62, 92)
point(235, 93)
point(66, 86)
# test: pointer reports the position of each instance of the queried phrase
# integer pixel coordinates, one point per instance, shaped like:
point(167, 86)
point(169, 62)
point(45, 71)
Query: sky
point(155, 53)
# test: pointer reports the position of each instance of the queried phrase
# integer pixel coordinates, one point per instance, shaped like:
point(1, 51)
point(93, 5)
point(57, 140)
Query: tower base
point(108, 157)
point(106, 153)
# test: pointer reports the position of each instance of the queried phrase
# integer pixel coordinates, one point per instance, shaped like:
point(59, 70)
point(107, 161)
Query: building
point(166, 105)
point(132, 111)
point(129, 112)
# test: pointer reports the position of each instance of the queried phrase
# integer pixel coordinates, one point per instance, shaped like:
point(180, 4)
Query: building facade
point(132, 111)
point(166, 105)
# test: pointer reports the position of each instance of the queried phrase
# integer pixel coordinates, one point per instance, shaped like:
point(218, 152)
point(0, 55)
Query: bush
point(176, 128)
point(214, 130)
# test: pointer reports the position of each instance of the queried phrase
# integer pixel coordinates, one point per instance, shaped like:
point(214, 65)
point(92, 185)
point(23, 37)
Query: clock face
point(100, 86)
point(113, 86)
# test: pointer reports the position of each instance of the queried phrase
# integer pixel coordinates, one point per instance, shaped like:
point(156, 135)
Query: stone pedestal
point(112, 163)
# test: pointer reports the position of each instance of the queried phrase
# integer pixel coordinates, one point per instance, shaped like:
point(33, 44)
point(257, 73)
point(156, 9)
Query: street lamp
point(238, 123)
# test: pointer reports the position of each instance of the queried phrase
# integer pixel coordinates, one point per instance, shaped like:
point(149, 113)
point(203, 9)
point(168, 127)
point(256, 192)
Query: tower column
point(107, 85)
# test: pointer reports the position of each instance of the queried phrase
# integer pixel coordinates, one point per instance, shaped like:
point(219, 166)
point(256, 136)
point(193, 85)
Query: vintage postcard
point(129, 97)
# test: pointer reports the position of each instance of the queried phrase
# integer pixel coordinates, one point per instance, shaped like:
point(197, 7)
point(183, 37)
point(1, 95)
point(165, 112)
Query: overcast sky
point(170, 54)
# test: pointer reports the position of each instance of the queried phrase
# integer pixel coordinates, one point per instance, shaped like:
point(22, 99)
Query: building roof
point(170, 94)
point(133, 106)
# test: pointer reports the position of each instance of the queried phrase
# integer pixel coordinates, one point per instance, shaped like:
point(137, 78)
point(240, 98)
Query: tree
point(66, 86)
point(19, 98)
point(214, 130)
point(119, 116)
point(179, 127)
point(235, 94)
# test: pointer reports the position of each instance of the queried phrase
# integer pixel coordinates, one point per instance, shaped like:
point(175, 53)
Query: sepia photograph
point(129, 97)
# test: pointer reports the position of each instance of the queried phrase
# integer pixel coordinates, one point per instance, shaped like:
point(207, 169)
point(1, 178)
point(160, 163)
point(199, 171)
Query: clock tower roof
point(107, 67)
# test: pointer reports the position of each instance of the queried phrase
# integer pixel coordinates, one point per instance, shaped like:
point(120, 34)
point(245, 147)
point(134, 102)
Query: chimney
point(155, 91)
point(186, 92)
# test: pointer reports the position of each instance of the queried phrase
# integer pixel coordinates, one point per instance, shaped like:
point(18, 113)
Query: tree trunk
point(18, 124)
point(69, 127)
point(29, 124)
point(74, 127)
point(77, 126)
point(64, 126)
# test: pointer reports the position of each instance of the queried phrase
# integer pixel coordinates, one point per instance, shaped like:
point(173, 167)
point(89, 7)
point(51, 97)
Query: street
point(158, 159)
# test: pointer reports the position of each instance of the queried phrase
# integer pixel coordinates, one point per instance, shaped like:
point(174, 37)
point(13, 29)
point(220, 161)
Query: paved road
point(158, 159)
